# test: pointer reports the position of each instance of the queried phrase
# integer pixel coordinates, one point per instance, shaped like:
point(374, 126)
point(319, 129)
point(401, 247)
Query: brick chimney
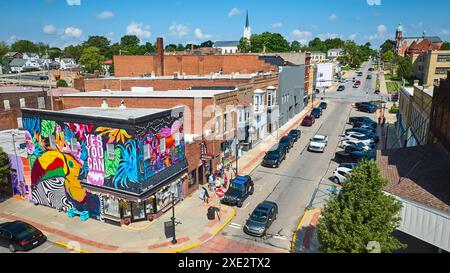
point(160, 56)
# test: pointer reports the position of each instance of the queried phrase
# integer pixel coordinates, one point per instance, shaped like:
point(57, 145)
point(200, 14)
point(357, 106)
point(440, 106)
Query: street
point(292, 185)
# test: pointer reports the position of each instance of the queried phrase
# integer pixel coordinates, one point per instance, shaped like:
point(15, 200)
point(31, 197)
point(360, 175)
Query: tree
point(207, 44)
point(3, 49)
point(171, 48)
point(388, 45)
point(4, 165)
point(55, 52)
point(268, 42)
point(61, 83)
point(24, 46)
point(180, 47)
point(100, 42)
point(445, 46)
point(244, 45)
point(405, 68)
point(73, 51)
point(389, 57)
point(91, 59)
point(361, 213)
point(130, 41)
point(296, 46)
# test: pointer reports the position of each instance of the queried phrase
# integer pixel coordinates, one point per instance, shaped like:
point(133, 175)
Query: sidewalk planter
point(87, 159)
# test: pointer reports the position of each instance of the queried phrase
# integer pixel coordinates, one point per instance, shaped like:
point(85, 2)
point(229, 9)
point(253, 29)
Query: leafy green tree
point(296, 46)
point(130, 41)
point(100, 42)
point(270, 42)
point(244, 45)
point(180, 47)
point(405, 68)
point(208, 43)
point(4, 165)
point(3, 49)
point(61, 83)
point(55, 52)
point(73, 51)
point(445, 46)
point(24, 46)
point(388, 45)
point(171, 48)
point(388, 58)
point(91, 60)
point(361, 213)
point(148, 47)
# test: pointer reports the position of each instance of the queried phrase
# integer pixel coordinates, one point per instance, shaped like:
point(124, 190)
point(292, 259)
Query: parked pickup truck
point(355, 156)
point(240, 188)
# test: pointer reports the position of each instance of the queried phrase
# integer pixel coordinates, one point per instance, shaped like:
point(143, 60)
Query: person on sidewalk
point(211, 182)
point(225, 181)
point(383, 122)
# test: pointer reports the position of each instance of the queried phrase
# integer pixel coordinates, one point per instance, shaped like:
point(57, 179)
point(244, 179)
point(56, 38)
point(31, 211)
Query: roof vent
point(105, 105)
point(122, 105)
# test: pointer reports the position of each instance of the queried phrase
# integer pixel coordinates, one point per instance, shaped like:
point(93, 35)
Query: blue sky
point(64, 22)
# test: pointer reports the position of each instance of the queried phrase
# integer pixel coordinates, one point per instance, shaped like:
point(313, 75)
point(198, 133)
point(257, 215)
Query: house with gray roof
point(227, 47)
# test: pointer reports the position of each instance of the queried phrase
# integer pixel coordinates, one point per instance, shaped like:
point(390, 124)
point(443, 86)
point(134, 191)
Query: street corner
point(305, 238)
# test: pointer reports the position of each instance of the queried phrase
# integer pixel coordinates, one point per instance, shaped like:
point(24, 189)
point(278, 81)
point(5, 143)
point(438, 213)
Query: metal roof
point(226, 43)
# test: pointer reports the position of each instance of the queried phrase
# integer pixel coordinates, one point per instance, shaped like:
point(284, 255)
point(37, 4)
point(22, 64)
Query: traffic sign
point(220, 193)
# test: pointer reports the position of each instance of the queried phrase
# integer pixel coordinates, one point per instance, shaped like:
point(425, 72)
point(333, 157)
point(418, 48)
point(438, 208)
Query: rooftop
point(226, 43)
point(6, 142)
point(152, 94)
point(112, 113)
point(182, 77)
point(422, 176)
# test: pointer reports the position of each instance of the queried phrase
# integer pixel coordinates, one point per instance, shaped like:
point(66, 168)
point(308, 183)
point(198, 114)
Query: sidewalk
point(305, 239)
point(94, 236)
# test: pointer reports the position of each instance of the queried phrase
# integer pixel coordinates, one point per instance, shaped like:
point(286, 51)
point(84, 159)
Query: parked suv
point(295, 134)
point(287, 141)
point(273, 159)
point(316, 112)
point(240, 188)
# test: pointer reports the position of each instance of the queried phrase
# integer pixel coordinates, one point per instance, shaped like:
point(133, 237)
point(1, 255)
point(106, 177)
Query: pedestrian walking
point(225, 181)
point(211, 182)
point(379, 120)
point(383, 122)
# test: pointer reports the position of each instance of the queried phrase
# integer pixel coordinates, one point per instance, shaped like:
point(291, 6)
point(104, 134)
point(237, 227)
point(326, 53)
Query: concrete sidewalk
point(94, 236)
point(305, 239)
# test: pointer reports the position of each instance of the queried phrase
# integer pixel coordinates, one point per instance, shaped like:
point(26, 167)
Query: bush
point(394, 109)
point(62, 83)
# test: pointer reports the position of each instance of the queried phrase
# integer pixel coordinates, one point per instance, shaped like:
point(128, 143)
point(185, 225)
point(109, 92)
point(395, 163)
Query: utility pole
point(50, 85)
point(174, 236)
point(237, 156)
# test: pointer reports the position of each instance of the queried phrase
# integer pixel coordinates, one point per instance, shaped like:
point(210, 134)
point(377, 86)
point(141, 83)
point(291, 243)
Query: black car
point(316, 112)
point(240, 188)
point(369, 77)
point(367, 108)
point(261, 219)
point(350, 166)
point(341, 88)
point(372, 125)
point(287, 141)
point(295, 134)
point(358, 104)
point(20, 236)
point(273, 159)
point(367, 120)
point(323, 105)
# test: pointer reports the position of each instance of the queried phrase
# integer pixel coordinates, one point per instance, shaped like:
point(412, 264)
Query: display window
point(111, 206)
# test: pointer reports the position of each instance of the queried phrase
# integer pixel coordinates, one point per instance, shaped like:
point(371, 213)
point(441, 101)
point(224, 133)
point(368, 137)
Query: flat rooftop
point(113, 113)
point(183, 77)
point(7, 144)
point(151, 94)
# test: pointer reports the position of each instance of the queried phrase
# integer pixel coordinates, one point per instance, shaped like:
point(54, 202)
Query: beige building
point(431, 66)
point(318, 57)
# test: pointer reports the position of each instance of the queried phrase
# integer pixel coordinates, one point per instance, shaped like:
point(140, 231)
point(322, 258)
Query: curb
point(70, 247)
point(195, 245)
point(139, 229)
point(300, 224)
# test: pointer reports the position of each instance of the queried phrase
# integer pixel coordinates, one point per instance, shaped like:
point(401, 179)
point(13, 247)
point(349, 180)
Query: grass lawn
point(393, 86)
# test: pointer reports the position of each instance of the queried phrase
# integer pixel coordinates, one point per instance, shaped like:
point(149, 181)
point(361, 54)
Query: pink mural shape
point(96, 160)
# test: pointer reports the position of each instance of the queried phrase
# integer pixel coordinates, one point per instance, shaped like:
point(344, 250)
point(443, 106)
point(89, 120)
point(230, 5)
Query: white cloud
point(105, 15)
point(200, 35)
point(301, 36)
point(73, 2)
point(234, 12)
point(139, 29)
point(444, 31)
point(417, 25)
point(381, 33)
point(73, 32)
point(49, 29)
point(374, 2)
point(332, 17)
point(352, 36)
point(324, 36)
point(178, 30)
point(277, 25)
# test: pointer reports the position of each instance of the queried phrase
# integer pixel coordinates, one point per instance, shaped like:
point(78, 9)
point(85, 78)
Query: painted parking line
point(235, 226)
point(248, 204)
point(281, 238)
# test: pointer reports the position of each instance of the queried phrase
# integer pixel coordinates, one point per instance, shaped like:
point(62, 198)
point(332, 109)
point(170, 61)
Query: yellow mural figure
point(55, 164)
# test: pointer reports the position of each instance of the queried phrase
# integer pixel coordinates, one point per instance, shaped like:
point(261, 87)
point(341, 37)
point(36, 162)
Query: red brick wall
point(8, 120)
point(128, 66)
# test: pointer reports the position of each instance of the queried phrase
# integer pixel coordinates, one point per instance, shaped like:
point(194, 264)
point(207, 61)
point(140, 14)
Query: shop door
point(200, 175)
point(138, 211)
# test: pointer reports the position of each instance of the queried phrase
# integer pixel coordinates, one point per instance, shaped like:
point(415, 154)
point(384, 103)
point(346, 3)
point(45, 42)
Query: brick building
point(440, 115)
point(14, 98)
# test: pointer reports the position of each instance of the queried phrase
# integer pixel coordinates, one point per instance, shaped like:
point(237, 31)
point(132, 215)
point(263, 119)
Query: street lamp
point(237, 155)
point(174, 236)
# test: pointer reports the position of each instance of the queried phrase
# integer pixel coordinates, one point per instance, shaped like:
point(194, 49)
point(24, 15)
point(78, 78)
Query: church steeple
point(247, 29)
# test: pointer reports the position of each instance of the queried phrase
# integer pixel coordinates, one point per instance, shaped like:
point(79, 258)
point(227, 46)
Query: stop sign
point(220, 193)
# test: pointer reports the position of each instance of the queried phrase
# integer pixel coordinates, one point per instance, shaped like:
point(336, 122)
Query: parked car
point(20, 236)
point(261, 219)
point(323, 105)
point(367, 120)
point(273, 159)
point(394, 96)
point(240, 188)
point(361, 138)
point(356, 85)
point(358, 82)
point(355, 155)
point(345, 143)
point(368, 108)
point(349, 165)
point(341, 88)
point(308, 121)
point(359, 73)
point(364, 126)
point(316, 112)
point(295, 134)
point(288, 141)
point(371, 69)
point(340, 175)
point(354, 79)
point(369, 77)
point(318, 143)
point(358, 104)
point(360, 130)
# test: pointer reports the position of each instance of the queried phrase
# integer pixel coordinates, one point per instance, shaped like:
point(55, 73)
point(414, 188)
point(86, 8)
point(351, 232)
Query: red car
point(308, 121)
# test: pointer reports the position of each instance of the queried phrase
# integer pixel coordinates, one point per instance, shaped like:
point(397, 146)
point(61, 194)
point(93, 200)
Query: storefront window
point(125, 207)
point(150, 205)
point(111, 206)
point(191, 178)
point(138, 211)
point(163, 198)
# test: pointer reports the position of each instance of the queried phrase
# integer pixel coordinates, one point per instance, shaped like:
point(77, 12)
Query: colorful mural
point(20, 177)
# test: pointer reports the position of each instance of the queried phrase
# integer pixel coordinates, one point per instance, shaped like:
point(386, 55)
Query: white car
point(339, 175)
point(360, 137)
point(318, 143)
point(345, 143)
